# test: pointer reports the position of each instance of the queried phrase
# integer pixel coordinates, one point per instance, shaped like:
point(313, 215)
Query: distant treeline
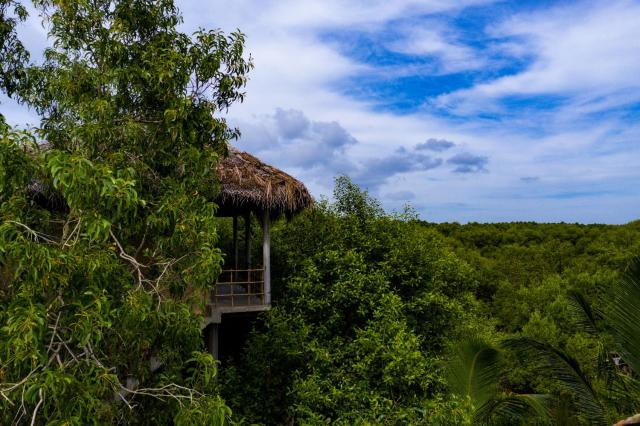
point(522, 267)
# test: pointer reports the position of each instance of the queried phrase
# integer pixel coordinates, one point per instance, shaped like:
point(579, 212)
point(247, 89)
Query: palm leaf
point(512, 408)
point(474, 370)
point(624, 316)
point(566, 370)
point(606, 368)
point(581, 312)
point(625, 388)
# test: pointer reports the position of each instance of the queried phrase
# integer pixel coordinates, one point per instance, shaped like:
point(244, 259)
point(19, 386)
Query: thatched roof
point(248, 184)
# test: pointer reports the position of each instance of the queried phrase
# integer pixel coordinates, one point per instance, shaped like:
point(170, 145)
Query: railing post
point(266, 256)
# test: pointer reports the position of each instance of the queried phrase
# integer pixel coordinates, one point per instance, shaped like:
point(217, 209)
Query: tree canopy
point(108, 239)
point(107, 225)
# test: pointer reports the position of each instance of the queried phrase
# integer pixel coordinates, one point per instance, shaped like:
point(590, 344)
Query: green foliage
point(209, 411)
point(475, 370)
point(552, 282)
point(366, 304)
point(107, 236)
point(107, 230)
point(13, 53)
point(564, 370)
point(623, 316)
point(16, 167)
point(559, 304)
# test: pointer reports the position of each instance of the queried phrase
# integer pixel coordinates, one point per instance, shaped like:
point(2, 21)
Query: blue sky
point(468, 110)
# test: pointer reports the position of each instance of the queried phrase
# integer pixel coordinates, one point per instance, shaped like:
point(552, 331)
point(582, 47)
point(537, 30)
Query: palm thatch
point(248, 184)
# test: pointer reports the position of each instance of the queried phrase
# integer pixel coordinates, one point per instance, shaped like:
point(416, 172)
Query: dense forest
point(109, 234)
point(374, 311)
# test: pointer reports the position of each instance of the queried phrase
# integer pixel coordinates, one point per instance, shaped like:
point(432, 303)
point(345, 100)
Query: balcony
point(243, 286)
point(239, 288)
point(237, 291)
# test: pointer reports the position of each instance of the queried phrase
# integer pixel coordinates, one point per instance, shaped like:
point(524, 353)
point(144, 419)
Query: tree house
point(249, 188)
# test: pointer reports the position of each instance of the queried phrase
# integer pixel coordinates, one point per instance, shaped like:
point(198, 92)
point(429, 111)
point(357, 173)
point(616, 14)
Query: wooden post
point(235, 243)
point(266, 256)
point(247, 240)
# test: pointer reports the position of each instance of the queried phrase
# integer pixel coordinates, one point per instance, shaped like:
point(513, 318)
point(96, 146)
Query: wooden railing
point(239, 287)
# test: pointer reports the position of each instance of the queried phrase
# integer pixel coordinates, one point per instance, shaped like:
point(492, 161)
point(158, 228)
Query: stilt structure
point(249, 188)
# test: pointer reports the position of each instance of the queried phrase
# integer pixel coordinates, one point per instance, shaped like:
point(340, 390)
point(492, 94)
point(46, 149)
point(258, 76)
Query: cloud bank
point(472, 109)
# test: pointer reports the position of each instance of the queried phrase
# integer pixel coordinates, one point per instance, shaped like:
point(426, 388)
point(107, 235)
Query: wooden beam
point(266, 256)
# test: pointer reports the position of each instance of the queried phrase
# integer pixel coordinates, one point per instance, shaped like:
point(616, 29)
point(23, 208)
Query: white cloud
point(590, 54)
point(297, 69)
point(289, 139)
point(310, 15)
point(587, 53)
point(437, 41)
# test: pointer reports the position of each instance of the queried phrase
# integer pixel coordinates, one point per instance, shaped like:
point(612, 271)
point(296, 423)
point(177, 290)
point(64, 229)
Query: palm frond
point(474, 370)
point(624, 316)
point(561, 367)
point(581, 312)
point(625, 388)
point(512, 408)
point(605, 366)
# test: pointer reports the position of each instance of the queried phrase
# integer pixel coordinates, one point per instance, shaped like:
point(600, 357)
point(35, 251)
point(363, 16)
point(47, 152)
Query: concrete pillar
point(212, 340)
point(235, 243)
point(247, 240)
point(266, 256)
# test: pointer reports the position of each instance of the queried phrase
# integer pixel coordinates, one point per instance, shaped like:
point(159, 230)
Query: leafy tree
point(13, 53)
point(623, 316)
point(528, 274)
point(366, 304)
point(108, 235)
point(575, 397)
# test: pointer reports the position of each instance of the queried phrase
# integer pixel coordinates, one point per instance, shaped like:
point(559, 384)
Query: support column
point(235, 243)
point(266, 256)
point(247, 240)
point(212, 341)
